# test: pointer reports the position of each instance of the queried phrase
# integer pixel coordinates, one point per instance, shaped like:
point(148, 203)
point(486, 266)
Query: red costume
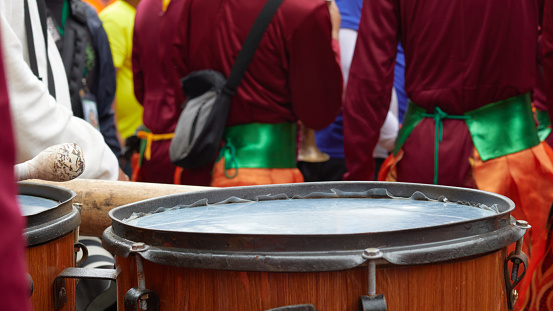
point(157, 88)
point(294, 74)
point(14, 287)
point(460, 56)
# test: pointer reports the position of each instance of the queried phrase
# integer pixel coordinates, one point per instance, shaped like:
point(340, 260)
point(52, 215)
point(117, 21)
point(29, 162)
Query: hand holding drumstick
point(56, 163)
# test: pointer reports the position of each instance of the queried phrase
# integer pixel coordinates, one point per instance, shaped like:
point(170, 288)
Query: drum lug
point(372, 302)
point(512, 278)
point(60, 290)
point(140, 296)
point(136, 295)
point(80, 246)
point(295, 308)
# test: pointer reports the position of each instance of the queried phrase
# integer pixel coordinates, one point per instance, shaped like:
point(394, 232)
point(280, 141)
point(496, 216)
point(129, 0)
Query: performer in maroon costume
point(467, 62)
point(294, 74)
point(14, 289)
point(157, 88)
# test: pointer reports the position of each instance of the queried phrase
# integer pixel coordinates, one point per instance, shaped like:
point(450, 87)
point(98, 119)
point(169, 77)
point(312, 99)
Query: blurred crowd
point(456, 93)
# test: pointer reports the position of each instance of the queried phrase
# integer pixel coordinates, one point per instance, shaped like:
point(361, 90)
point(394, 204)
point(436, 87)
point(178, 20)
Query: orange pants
point(253, 176)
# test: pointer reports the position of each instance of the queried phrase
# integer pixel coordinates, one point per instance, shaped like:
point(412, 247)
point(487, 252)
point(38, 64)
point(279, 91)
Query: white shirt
point(40, 120)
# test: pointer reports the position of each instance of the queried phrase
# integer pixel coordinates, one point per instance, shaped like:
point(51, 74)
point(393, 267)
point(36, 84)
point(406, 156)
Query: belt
point(149, 138)
point(497, 129)
point(259, 145)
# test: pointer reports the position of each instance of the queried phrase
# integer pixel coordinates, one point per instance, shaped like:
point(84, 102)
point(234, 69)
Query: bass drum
point(50, 233)
point(315, 246)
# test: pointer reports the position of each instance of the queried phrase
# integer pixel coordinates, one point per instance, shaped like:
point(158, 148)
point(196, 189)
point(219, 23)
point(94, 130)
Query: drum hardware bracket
point(140, 296)
point(80, 246)
point(372, 302)
point(60, 290)
point(517, 257)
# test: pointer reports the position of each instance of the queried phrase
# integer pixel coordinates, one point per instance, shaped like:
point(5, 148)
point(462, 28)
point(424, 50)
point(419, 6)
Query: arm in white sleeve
point(39, 121)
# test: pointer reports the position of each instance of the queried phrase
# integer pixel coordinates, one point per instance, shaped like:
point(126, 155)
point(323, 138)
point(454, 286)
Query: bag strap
point(250, 45)
point(31, 43)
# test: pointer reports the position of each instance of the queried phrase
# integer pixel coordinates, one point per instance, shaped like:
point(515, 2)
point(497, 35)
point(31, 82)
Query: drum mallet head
point(62, 162)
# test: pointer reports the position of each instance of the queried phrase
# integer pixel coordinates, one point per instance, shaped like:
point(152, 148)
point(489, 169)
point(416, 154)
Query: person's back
point(469, 68)
point(157, 88)
point(293, 75)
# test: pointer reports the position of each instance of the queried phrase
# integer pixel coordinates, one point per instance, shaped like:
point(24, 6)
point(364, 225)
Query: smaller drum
point(318, 246)
point(50, 233)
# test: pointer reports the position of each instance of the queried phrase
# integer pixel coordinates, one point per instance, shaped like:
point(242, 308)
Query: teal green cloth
point(503, 127)
point(438, 117)
point(259, 145)
point(544, 124)
point(497, 129)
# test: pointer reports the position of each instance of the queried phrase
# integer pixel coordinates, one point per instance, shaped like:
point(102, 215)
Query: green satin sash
point(503, 127)
point(259, 145)
point(497, 129)
point(544, 124)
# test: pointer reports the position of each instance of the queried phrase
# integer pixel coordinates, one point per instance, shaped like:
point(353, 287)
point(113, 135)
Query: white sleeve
point(389, 131)
point(39, 121)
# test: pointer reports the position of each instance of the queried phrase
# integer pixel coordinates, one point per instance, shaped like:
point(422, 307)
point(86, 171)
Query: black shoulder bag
point(201, 125)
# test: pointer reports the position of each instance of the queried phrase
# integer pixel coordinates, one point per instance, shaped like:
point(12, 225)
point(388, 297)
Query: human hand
point(122, 176)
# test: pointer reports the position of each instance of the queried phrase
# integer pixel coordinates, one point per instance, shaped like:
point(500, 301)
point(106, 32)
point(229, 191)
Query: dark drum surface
point(311, 216)
point(32, 205)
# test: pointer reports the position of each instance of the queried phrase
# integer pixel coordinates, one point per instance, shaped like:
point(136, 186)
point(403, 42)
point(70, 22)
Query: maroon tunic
point(14, 289)
point(157, 88)
point(460, 55)
point(294, 74)
point(547, 35)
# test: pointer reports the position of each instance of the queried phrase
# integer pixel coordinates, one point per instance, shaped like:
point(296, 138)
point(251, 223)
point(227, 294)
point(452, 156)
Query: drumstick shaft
point(98, 197)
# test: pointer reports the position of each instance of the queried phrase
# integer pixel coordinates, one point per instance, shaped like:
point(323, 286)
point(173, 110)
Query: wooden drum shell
point(475, 284)
point(51, 232)
point(45, 263)
point(450, 265)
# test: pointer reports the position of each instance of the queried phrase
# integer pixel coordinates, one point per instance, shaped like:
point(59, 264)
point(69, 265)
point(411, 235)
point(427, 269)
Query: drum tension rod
point(372, 302)
point(517, 257)
point(140, 296)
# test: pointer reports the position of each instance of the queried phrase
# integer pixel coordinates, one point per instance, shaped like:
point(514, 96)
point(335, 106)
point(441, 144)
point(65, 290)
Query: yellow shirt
point(118, 21)
point(165, 4)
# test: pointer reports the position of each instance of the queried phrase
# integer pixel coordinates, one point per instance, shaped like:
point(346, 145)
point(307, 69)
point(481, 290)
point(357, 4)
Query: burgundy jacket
point(460, 55)
point(294, 74)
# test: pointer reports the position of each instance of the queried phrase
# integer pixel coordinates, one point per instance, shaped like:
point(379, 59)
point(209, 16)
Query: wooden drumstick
point(56, 163)
point(98, 197)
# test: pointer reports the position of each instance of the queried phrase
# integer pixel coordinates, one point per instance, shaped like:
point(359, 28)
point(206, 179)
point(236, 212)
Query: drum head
point(325, 225)
point(49, 211)
point(317, 216)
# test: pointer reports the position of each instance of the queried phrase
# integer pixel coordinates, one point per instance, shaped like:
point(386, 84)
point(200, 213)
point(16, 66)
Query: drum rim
point(120, 236)
point(52, 223)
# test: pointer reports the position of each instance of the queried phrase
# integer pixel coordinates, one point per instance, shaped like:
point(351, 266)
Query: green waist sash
point(260, 145)
point(544, 124)
point(497, 129)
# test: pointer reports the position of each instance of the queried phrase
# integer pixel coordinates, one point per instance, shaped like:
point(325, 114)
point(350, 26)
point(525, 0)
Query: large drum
point(316, 246)
point(50, 233)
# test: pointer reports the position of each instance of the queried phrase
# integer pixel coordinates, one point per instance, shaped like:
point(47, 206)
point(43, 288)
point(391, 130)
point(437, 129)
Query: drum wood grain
point(471, 285)
point(45, 263)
